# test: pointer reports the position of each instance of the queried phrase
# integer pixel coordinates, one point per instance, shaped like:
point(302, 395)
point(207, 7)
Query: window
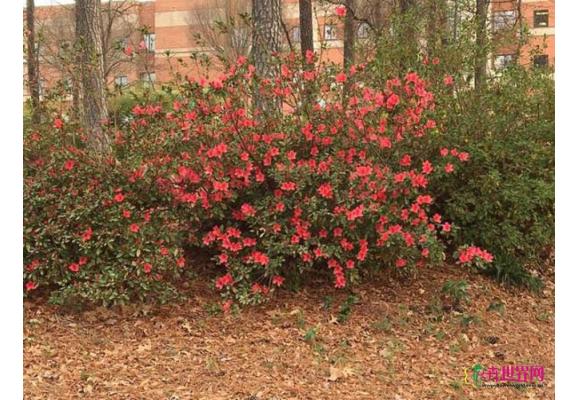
point(541, 18)
point(148, 78)
point(121, 80)
point(541, 61)
point(503, 20)
point(329, 32)
point(42, 86)
point(503, 60)
point(295, 34)
point(149, 39)
point(363, 31)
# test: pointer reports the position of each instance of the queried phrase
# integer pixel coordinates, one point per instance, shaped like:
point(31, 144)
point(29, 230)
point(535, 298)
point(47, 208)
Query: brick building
point(533, 19)
point(156, 38)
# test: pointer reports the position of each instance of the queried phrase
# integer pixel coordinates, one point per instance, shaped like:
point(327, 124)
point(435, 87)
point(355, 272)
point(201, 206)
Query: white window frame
point(330, 32)
point(149, 39)
point(121, 81)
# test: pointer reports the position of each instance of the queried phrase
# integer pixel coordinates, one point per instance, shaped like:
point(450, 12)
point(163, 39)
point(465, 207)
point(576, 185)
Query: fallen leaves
point(185, 352)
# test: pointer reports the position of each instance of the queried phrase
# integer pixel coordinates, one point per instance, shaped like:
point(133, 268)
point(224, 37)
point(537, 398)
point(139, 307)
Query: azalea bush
point(503, 198)
point(326, 173)
point(93, 231)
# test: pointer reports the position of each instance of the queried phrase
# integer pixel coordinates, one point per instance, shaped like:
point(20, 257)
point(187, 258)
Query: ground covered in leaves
point(386, 340)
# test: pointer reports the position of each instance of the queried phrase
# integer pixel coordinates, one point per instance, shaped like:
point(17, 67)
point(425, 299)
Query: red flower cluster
point(470, 253)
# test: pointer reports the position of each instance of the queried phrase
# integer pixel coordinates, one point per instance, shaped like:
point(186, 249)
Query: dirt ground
point(397, 342)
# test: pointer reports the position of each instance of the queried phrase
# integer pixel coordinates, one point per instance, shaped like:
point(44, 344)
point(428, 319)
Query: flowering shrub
point(332, 183)
point(93, 233)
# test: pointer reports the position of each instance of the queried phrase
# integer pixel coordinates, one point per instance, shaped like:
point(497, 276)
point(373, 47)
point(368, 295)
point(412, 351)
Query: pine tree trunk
point(348, 40)
point(266, 17)
point(480, 67)
point(93, 95)
point(32, 61)
point(306, 37)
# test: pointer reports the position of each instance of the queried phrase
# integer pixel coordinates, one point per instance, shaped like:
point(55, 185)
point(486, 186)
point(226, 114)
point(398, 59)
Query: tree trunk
point(480, 67)
point(32, 61)
point(94, 101)
point(306, 38)
point(408, 35)
point(266, 17)
point(437, 30)
point(348, 39)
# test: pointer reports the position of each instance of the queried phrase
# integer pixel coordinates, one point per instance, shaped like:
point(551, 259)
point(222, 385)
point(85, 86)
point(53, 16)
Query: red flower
point(363, 170)
point(147, 268)
point(223, 258)
point(74, 267)
point(427, 167)
point(181, 262)
point(220, 186)
point(468, 254)
point(463, 156)
point(288, 186)
point(83, 260)
point(424, 199)
point(69, 164)
point(260, 258)
point(446, 227)
point(405, 160)
point(325, 190)
point(448, 80)
point(392, 101)
point(227, 306)
point(217, 151)
point(126, 213)
point(401, 262)
point(31, 286)
point(86, 235)
point(355, 213)
point(128, 51)
point(362, 253)
point(226, 280)
point(340, 11)
point(58, 124)
point(278, 280)
point(248, 210)
point(340, 77)
point(449, 168)
point(119, 197)
point(134, 228)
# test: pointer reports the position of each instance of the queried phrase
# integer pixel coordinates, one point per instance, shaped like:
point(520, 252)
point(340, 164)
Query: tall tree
point(267, 29)
point(348, 39)
point(32, 63)
point(94, 101)
point(480, 67)
point(226, 32)
point(306, 37)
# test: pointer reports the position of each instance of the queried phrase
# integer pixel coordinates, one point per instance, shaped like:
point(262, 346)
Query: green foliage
point(94, 231)
point(503, 200)
point(457, 290)
point(346, 308)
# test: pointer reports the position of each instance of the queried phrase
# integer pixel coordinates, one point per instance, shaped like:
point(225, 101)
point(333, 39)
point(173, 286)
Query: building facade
point(151, 41)
point(514, 20)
